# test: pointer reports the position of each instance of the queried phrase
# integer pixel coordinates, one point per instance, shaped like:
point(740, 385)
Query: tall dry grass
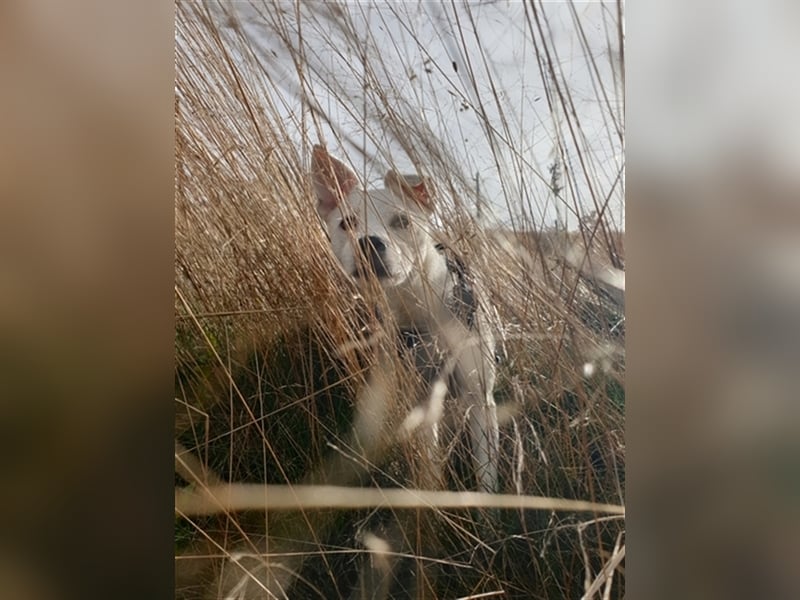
point(274, 346)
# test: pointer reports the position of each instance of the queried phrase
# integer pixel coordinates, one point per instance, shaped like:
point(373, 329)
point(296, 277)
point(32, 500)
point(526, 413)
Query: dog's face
point(383, 233)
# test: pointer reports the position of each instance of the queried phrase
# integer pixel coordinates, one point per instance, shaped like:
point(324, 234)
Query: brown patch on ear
point(333, 180)
point(418, 189)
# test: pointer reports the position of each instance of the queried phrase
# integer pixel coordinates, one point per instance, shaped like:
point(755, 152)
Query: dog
point(384, 240)
point(386, 235)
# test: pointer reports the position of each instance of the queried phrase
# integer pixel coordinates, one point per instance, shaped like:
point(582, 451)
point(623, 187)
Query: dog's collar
point(463, 301)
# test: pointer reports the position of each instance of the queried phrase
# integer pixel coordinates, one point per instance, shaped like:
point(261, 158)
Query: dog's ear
point(333, 180)
point(418, 189)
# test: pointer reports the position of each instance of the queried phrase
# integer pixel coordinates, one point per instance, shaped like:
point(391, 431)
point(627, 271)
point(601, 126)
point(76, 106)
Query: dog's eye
point(348, 223)
point(400, 222)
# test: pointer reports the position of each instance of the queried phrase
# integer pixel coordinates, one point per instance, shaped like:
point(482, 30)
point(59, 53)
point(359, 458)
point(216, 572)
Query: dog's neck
point(426, 298)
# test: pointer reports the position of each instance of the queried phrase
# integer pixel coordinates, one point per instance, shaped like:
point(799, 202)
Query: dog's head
point(384, 232)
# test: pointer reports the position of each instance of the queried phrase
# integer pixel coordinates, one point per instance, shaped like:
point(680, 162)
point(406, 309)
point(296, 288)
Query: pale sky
point(418, 44)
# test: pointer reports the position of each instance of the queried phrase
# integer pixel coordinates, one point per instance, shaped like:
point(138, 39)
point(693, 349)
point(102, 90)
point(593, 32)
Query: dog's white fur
point(386, 234)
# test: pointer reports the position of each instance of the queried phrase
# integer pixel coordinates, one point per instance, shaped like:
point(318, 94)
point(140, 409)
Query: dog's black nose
point(373, 253)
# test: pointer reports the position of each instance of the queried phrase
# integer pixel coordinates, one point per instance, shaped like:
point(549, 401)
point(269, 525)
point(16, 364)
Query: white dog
point(385, 234)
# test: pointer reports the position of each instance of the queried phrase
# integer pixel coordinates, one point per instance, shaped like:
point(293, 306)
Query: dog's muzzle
point(373, 257)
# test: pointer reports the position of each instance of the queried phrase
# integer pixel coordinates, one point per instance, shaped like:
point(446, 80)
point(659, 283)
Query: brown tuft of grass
point(274, 344)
